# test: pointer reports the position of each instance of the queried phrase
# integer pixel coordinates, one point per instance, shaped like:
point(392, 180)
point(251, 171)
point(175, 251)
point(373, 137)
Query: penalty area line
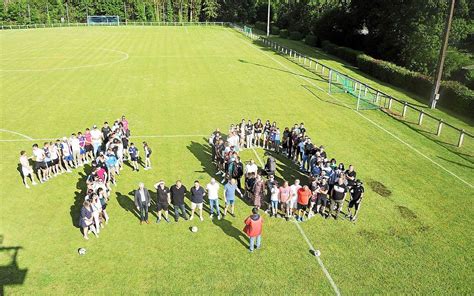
point(29, 139)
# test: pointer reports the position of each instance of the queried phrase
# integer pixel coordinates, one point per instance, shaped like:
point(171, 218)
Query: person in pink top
point(125, 123)
point(88, 146)
point(285, 191)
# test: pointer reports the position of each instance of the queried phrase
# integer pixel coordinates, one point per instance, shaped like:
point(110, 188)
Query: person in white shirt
point(76, 150)
point(67, 156)
point(274, 199)
point(294, 195)
point(96, 137)
point(26, 169)
point(213, 195)
point(251, 167)
point(233, 140)
point(40, 165)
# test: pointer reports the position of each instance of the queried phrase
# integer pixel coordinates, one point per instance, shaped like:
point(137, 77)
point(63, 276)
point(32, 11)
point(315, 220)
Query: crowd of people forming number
point(105, 149)
point(328, 181)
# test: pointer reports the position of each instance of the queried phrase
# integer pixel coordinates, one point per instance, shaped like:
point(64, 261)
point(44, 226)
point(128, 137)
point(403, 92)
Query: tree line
point(405, 32)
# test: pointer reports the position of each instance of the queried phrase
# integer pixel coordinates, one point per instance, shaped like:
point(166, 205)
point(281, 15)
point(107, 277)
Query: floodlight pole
point(268, 19)
point(442, 55)
point(29, 13)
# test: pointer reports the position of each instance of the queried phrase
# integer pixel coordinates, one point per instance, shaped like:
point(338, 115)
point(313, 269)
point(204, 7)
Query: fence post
point(377, 97)
point(330, 78)
point(420, 118)
point(310, 63)
point(440, 126)
point(390, 103)
point(461, 138)
point(405, 107)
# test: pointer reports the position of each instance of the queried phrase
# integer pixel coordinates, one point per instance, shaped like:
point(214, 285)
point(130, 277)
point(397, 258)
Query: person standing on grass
point(96, 210)
point(238, 171)
point(88, 146)
point(338, 194)
point(213, 195)
point(26, 170)
point(142, 202)
point(96, 137)
point(197, 199)
point(39, 164)
point(147, 155)
point(76, 150)
point(163, 200)
point(229, 196)
point(294, 196)
point(67, 155)
point(322, 196)
point(350, 176)
point(304, 195)
point(133, 153)
point(177, 198)
point(285, 199)
point(86, 220)
point(266, 134)
point(258, 192)
point(274, 199)
point(249, 134)
point(258, 130)
point(253, 228)
point(357, 192)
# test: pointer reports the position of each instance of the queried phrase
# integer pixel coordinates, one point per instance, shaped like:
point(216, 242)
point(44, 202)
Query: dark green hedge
point(275, 30)
point(261, 26)
point(311, 40)
point(284, 33)
point(453, 95)
point(295, 35)
point(347, 54)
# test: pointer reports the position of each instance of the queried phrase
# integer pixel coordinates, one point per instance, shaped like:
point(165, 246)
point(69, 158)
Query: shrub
point(345, 53)
point(261, 26)
point(275, 30)
point(457, 97)
point(284, 33)
point(295, 35)
point(311, 40)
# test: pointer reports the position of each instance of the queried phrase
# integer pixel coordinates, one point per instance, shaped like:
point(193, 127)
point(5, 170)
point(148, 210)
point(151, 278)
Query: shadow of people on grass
point(231, 231)
point(203, 153)
point(127, 203)
point(10, 271)
point(79, 194)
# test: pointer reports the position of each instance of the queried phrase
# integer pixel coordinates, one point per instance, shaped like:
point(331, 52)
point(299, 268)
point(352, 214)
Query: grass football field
point(176, 85)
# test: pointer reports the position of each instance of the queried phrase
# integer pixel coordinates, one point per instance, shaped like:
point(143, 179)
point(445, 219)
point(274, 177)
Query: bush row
point(453, 95)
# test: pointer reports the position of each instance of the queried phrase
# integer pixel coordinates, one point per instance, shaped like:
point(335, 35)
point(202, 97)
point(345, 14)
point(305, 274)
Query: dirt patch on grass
point(379, 188)
point(407, 214)
point(368, 235)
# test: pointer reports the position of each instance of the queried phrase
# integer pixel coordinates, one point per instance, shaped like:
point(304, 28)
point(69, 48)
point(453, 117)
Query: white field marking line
point(363, 116)
point(125, 57)
point(16, 133)
point(326, 272)
point(29, 139)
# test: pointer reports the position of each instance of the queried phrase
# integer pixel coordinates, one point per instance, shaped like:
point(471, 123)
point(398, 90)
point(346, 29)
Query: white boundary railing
point(383, 100)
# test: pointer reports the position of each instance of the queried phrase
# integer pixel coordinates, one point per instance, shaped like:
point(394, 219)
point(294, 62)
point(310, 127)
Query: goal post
point(103, 20)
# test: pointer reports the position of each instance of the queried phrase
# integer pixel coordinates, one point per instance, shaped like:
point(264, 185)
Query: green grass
point(188, 81)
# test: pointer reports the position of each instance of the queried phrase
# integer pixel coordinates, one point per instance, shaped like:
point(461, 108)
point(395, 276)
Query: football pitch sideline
point(176, 85)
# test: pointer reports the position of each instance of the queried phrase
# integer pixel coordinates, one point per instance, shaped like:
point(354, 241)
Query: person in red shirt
point(303, 198)
point(253, 228)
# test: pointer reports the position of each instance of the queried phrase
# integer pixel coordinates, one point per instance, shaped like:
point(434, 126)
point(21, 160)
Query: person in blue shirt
point(229, 196)
point(111, 162)
point(133, 152)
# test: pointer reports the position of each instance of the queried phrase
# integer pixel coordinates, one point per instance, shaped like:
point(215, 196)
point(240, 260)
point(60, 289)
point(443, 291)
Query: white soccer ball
point(317, 253)
point(194, 229)
point(81, 251)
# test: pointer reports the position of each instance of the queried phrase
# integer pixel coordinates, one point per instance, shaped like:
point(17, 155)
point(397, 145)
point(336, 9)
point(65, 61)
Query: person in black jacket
point(142, 202)
point(238, 171)
point(177, 199)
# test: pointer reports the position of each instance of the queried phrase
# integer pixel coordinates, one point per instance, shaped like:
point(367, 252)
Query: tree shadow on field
point(280, 70)
point(127, 203)
point(203, 153)
point(79, 194)
point(10, 272)
point(231, 231)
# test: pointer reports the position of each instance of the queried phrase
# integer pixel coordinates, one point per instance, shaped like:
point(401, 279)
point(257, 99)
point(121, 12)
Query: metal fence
point(125, 23)
point(386, 102)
